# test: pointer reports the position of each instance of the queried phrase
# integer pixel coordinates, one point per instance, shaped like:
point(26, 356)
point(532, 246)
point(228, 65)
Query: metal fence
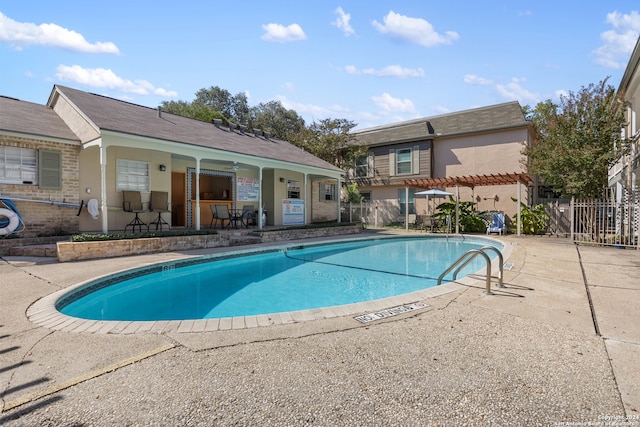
point(607, 222)
point(358, 212)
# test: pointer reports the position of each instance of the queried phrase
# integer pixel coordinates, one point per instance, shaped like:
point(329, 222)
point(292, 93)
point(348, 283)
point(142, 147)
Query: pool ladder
point(469, 256)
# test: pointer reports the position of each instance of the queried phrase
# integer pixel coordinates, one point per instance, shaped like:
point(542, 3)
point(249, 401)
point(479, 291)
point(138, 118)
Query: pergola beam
point(470, 181)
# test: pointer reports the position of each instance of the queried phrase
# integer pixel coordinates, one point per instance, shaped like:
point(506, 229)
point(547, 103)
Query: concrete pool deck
point(559, 345)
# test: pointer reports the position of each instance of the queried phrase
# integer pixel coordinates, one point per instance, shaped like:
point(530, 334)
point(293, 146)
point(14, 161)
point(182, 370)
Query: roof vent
point(159, 112)
point(232, 126)
point(217, 122)
point(267, 135)
point(243, 129)
point(257, 132)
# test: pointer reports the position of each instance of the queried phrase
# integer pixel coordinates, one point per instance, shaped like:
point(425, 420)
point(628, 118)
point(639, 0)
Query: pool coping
point(44, 313)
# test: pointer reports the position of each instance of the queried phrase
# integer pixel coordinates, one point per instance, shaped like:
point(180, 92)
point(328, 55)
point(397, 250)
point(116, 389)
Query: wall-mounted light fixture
point(281, 179)
point(163, 168)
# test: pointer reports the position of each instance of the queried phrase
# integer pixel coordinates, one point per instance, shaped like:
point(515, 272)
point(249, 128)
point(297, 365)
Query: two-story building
point(480, 149)
point(624, 175)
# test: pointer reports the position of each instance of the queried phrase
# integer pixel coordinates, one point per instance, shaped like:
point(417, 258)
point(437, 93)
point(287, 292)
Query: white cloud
point(288, 86)
point(472, 79)
point(619, 41)
point(388, 71)
point(22, 34)
point(514, 90)
point(282, 34)
point(104, 78)
point(389, 103)
point(343, 22)
point(316, 112)
point(414, 30)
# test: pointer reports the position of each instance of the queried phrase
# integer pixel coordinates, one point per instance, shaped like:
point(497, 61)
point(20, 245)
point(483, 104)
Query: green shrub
point(89, 237)
point(470, 219)
point(534, 220)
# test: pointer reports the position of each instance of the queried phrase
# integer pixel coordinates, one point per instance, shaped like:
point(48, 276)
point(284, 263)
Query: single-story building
point(82, 146)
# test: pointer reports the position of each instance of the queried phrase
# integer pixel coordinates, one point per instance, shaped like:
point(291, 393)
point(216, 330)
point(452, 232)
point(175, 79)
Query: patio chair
point(496, 225)
point(159, 203)
point(222, 213)
point(219, 213)
point(132, 202)
point(248, 215)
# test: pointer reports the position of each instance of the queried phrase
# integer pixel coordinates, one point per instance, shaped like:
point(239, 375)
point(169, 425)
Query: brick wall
point(323, 210)
point(40, 218)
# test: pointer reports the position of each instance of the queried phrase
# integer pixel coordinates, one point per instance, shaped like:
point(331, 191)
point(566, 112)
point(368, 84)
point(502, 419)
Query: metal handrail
point(467, 257)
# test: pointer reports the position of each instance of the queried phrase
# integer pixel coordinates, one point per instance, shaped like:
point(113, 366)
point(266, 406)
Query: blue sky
point(369, 62)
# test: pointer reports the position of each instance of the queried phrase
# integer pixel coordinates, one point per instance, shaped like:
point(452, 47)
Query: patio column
point(457, 208)
point(103, 188)
point(307, 199)
point(260, 224)
point(519, 208)
point(406, 207)
point(197, 212)
point(338, 187)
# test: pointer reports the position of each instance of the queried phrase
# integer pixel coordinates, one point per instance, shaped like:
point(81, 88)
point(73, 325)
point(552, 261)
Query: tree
point(216, 99)
point(273, 117)
point(329, 139)
point(577, 141)
point(332, 141)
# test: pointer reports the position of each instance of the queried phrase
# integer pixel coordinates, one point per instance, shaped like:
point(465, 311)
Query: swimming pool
point(274, 281)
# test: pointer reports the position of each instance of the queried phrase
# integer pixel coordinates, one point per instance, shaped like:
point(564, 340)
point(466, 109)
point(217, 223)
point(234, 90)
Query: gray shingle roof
point(119, 116)
point(490, 118)
point(32, 119)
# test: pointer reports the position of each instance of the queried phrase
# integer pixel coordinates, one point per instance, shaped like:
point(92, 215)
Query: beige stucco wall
point(481, 154)
point(42, 218)
point(76, 122)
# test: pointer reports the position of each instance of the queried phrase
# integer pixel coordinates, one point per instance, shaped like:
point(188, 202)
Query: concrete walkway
point(559, 345)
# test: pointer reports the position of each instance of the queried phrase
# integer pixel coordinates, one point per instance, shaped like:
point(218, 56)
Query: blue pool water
point(271, 282)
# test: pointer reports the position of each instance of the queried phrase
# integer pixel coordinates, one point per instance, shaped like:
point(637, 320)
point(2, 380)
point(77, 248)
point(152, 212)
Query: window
point(50, 170)
point(366, 196)
point(327, 192)
point(18, 165)
point(362, 167)
point(403, 161)
point(132, 175)
point(412, 200)
point(293, 189)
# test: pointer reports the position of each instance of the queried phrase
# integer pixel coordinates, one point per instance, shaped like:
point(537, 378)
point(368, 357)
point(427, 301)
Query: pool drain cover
point(389, 312)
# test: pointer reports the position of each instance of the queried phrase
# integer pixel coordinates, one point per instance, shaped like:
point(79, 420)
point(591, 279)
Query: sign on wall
point(292, 212)
point(248, 189)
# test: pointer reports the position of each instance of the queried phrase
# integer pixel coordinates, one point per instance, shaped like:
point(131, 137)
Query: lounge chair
point(497, 224)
